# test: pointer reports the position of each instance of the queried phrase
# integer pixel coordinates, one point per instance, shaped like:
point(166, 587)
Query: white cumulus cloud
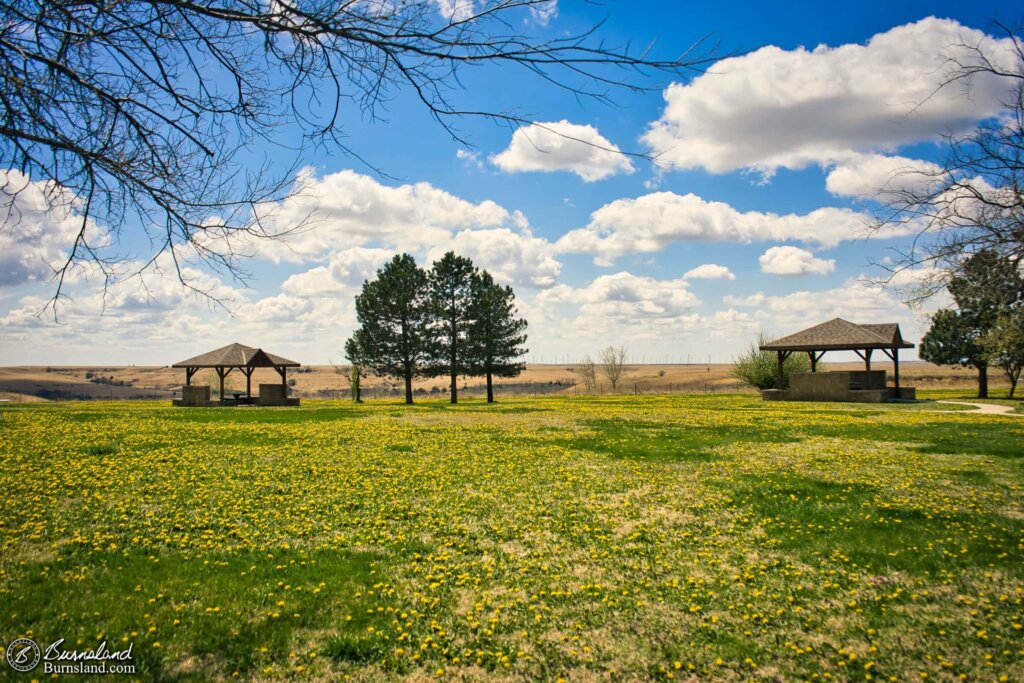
point(358, 222)
point(855, 300)
point(871, 175)
point(563, 146)
point(709, 271)
point(510, 256)
point(776, 108)
point(469, 159)
point(625, 296)
point(651, 222)
point(542, 13)
point(347, 209)
point(794, 261)
point(344, 274)
point(35, 239)
point(752, 300)
point(455, 10)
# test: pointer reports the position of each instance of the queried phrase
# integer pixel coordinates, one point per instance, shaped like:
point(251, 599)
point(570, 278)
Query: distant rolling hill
point(325, 381)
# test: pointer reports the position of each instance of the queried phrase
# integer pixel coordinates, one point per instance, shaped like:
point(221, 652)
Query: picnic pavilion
point(246, 360)
point(869, 386)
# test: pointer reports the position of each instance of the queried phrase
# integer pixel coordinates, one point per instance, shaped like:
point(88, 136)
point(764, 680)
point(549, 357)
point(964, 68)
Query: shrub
point(757, 367)
point(588, 372)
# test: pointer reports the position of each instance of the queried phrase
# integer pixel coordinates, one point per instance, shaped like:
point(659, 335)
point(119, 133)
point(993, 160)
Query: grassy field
point(663, 537)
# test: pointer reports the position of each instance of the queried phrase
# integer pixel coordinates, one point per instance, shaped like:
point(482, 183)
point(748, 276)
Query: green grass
point(662, 537)
point(217, 607)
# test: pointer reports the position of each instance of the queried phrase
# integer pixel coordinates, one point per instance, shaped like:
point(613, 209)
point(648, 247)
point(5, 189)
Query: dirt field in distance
point(32, 383)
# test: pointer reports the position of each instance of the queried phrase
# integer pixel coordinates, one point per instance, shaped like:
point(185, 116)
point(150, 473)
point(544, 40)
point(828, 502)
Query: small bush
point(757, 367)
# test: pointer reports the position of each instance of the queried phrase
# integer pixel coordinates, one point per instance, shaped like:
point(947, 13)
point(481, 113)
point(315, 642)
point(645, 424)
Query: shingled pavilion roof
point(237, 356)
point(842, 335)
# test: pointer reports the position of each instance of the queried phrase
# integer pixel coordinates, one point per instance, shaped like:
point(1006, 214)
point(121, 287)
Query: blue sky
point(751, 222)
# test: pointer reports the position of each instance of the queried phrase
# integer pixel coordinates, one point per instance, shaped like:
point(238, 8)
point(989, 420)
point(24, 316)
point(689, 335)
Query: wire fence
point(22, 396)
point(565, 387)
point(532, 389)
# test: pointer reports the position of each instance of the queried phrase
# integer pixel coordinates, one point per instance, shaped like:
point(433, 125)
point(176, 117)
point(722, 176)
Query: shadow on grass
point(657, 442)
point(817, 518)
point(211, 614)
point(670, 442)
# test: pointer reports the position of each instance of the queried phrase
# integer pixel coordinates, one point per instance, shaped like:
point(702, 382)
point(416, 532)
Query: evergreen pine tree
point(450, 303)
point(393, 323)
point(953, 340)
point(984, 286)
point(496, 335)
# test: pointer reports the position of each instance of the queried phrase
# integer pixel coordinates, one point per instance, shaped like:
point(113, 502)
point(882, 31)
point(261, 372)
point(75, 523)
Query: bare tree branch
point(974, 201)
point(146, 113)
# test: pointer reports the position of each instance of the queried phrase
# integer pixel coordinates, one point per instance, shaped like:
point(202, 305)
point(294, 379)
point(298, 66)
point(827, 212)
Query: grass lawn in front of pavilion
point(666, 537)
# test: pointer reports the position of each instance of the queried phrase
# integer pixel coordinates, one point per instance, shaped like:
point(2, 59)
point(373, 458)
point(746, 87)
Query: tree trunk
point(454, 331)
point(1013, 385)
point(490, 388)
point(408, 386)
point(982, 381)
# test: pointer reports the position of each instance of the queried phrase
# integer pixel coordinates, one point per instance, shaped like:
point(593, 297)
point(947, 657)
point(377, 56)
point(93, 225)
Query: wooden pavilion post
point(815, 357)
point(780, 378)
point(248, 381)
point(866, 357)
point(223, 372)
point(896, 366)
point(283, 371)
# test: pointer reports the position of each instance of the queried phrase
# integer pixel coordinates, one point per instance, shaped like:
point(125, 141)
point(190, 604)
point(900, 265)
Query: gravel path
point(987, 408)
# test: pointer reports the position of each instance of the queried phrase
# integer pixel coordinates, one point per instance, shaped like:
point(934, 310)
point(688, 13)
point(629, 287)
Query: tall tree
point(496, 335)
point(613, 362)
point(1004, 345)
point(451, 306)
point(144, 113)
point(953, 340)
point(392, 312)
point(985, 285)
